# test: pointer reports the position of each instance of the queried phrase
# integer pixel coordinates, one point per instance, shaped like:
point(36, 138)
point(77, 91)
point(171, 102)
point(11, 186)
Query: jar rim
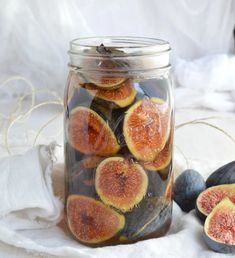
point(133, 53)
point(130, 45)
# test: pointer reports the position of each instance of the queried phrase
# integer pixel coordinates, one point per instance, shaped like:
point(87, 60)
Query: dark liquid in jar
point(115, 194)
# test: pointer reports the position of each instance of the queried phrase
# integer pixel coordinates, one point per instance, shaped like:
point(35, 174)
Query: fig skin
point(89, 134)
point(223, 175)
point(146, 128)
point(149, 88)
point(123, 96)
point(147, 218)
point(120, 183)
point(156, 187)
point(220, 222)
point(212, 196)
point(81, 180)
point(187, 187)
point(74, 82)
point(92, 222)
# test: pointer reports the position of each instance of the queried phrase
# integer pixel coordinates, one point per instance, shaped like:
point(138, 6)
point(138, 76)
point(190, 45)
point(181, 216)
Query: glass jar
point(119, 126)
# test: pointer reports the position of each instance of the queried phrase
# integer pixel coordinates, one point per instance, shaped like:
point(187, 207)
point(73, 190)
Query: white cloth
point(31, 211)
point(26, 194)
point(184, 240)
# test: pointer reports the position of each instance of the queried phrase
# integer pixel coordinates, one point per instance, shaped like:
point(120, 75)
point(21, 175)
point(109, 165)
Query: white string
point(18, 115)
point(27, 82)
point(45, 125)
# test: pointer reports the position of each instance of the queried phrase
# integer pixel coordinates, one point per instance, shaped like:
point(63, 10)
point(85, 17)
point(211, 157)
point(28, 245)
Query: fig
point(106, 81)
point(219, 228)
point(209, 198)
point(223, 175)
point(101, 108)
point(111, 52)
point(74, 81)
point(82, 183)
point(187, 187)
point(72, 156)
point(120, 183)
point(80, 97)
point(73, 92)
point(90, 221)
point(81, 180)
point(163, 158)
point(89, 134)
point(122, 96)
point(147, 218)
point(91, 161)
point(156, 186)
point(146, 128)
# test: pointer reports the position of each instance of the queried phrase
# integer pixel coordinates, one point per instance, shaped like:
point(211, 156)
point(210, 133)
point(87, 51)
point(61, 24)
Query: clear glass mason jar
point(119, 125)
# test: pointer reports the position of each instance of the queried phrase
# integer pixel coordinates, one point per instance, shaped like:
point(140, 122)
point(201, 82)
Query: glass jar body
point(119, 128)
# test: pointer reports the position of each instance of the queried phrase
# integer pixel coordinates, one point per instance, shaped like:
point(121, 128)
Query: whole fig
point(187, 187)
point(223, 175)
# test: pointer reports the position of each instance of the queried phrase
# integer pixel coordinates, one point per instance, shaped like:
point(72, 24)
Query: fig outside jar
point(119, 125)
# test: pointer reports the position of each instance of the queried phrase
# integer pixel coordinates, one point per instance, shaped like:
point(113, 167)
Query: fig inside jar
point(119, 126)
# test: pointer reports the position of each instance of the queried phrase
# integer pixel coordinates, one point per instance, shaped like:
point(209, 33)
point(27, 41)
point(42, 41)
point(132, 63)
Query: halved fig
point(163, 158)
point(90, 221)
point(91, 161)
point(146, 128)
point(219, 228)
point(122, 96)
point(209, 198)
point(89, 134)
point(106, 81)
point(120, 183)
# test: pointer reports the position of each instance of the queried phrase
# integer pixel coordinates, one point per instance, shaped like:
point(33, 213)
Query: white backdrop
point(34, 35)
